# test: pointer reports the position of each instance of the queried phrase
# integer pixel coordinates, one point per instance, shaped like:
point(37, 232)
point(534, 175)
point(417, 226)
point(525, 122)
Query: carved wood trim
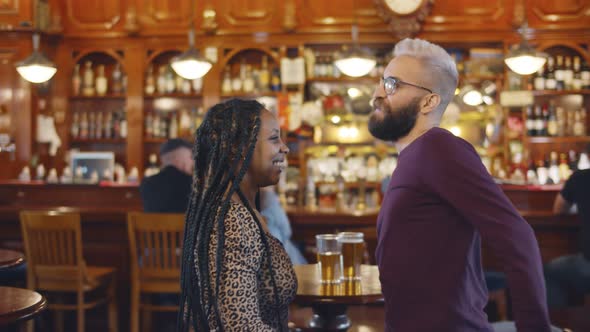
point(79, 54)
point(230, 55)
point(555, 18)
point(14, 9)
point(577, 47)
point(153, 54)
point(108, 24)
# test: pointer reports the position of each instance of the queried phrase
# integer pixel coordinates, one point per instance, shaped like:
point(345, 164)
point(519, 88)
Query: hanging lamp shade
point(36, 68)
point(523, 59)
point(190, 64)
point(355, 62)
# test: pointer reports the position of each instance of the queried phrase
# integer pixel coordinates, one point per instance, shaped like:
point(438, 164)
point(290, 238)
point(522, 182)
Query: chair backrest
point(155, 243)
point(53, 247)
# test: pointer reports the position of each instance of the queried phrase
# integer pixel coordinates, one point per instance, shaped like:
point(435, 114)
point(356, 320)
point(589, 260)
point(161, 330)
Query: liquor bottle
point(123, 124)
point(170, 81)
point(84, 125)
point(98, 130)
point(530, 121)
point(542, 172)
point(116, 124)
point(539, 82)
point(178, 82)
point(156, 125)
point(561, 121)
point(585, 74)
point(117, 79)
point(152, 168)
point(550, 82)
point(248, 83)
point(108, 125)
point(531, 174)
point(552, 120)
point(150, 81)
point(568, 73)
point(161, 80)
point(91, 125)
point(186, 86)
point(236, 82)
point(554, 168)
point(559, 74)
point(75, 128)
point(101, 81)
point(88, 80)
point(579, 123)
point(226, 84)
point(173, 129)
point(577, 82)
point(197, 85)
point(545, 117)
point(572, 160)
point(163, 126)
point(564, 168)
point(264, 75)
point(275, 80)
point(538, 121)
point(76, 81)
point(329, 66)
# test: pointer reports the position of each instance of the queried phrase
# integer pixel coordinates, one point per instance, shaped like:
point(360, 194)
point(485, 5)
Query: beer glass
point(352, 244)
point(329, 258)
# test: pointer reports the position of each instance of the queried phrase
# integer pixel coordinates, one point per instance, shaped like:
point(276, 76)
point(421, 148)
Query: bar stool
point(53, 248)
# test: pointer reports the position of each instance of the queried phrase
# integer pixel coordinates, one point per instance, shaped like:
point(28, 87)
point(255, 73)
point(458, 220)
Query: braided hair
point(222, 152)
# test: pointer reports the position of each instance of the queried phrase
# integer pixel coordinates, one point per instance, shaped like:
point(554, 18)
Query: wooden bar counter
point(103, 212)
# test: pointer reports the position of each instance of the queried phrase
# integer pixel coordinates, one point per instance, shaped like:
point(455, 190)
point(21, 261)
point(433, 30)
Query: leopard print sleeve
point(239, 295)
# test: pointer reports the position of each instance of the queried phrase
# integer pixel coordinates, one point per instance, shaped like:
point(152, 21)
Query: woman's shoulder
point(239, 219)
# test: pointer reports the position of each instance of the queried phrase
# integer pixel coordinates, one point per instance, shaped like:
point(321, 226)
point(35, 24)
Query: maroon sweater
point(440, 203)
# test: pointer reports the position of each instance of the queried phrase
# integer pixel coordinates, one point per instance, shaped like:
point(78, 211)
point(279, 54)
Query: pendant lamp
point(355, 62)
point(523, 59)
point(36, 68)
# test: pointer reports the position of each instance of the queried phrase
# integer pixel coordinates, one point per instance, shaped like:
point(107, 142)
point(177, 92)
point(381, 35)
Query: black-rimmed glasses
point(391, 83)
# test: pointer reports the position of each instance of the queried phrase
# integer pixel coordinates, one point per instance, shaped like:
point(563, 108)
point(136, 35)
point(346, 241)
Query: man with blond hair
point(439, 205)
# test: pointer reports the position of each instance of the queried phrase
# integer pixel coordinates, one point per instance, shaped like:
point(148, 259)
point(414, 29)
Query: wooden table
point(17, 304)
point(330, 301)
point(10, 258)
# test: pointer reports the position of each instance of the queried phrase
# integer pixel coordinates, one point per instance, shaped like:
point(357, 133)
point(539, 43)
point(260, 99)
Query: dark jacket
point(166, 192)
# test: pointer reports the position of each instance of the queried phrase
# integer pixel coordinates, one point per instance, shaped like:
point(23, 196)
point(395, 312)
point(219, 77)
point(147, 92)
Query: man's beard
point(395, 123)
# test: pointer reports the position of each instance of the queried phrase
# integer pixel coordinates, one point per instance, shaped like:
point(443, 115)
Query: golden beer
point(352, 254)
point(330, 266)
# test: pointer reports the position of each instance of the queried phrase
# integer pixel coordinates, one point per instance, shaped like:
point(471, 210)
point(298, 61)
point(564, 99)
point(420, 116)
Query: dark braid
point(224, 142)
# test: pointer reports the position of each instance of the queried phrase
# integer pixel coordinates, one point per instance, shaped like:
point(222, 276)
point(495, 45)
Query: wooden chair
point(155, 242)
point(53, 248)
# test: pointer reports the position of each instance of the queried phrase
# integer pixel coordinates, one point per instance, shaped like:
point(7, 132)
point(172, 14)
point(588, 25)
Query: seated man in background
point(169, 190)
point(571, 274)
point(278, 223)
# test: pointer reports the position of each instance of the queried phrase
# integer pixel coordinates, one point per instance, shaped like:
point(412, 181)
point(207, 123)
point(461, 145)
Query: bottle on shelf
point(564, 168)
point(75, 128)
point(149, 120)
point(91, 125)
point(264, 75)
point(275, 80)
point(585, 75)
point(531, 122)
point(577, 82)
point(568, 73)
point(539, 123)
point(554, 168)
point(236, 83)
point(170, 81)
point(123, 129)
point(84, 125)
point(248, 82)
point(117, 79)
point(173, 129)
point(539, 81)
point(552, 129)
point(108, 125)
point(197, 85)
point(186, 86)
point(550, 80)
point(559, 73)
point(561, 121)
point(76, 81)
point(580, 122)
point(226, 84)
point(98, 130)
point(152, 168)
point(101, 81)
point(88, 80)
point(150, 81)
point(161, 80)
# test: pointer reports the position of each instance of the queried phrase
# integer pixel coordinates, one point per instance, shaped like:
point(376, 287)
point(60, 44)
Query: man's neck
point(416, 132)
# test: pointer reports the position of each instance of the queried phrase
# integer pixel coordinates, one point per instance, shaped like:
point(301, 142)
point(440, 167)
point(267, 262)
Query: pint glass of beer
point(352, 244)
point(329, 258)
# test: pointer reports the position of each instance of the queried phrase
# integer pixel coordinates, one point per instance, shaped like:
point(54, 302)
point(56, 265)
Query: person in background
point(571, 274)
point(278, 223)
point(235, 275)
point(439, 205)
point(168, 191)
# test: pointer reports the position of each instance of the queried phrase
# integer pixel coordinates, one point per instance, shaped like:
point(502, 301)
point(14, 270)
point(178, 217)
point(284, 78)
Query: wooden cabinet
point(558, 14)
point(16, 13)
point(470, 15)
point(93, 17)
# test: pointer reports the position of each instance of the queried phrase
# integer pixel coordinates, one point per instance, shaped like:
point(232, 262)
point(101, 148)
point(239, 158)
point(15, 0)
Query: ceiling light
point(523, 59)
point(36, 68)
point(355, 62)
point(190, 64)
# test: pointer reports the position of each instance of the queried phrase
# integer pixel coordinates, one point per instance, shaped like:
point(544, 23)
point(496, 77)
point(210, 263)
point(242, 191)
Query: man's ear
point(429, 103)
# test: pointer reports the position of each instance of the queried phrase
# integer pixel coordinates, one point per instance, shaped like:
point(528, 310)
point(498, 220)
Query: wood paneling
point(469, 15)
point(559, 14)
point(158, 17)
point(93, 16)
point(15, 12)
point(325, 16)
point(248, 16)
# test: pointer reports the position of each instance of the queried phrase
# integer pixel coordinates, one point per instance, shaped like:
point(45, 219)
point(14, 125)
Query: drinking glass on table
point(353, 245)
point(329, 258)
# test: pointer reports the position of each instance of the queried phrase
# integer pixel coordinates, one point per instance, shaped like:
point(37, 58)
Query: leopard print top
point(246, 298)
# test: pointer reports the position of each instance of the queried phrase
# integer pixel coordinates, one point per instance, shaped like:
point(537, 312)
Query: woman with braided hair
point(235, 275)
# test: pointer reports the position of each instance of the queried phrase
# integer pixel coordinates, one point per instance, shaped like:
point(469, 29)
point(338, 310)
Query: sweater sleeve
point(457, 175)
point(239, 307)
